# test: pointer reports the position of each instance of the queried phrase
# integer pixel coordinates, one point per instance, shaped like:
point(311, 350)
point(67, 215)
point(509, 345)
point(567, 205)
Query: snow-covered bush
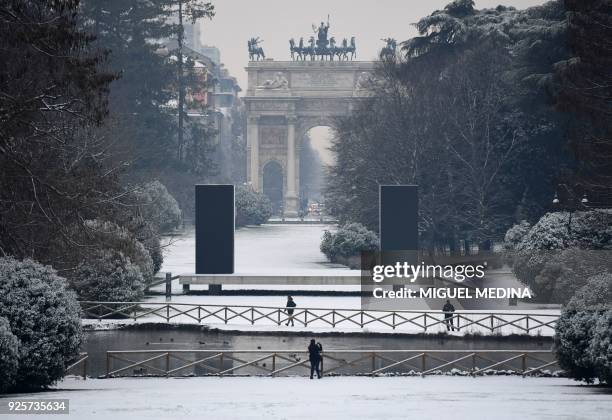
point(44, 316)
point(159, 207)
point(584, 332)
point(108, 235)
point(600, 349)
point(595, 294)
point(9, 354)
point(572, 339)
point(326, 244)
point(252, 208)
point(561, 230)
point(108, 276)
point(566, 271)
point(549, 259)
point(348, 241)
point(148, 236)
point(515, 235)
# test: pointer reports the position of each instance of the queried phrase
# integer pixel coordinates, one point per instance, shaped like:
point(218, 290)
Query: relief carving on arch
point(272, 135)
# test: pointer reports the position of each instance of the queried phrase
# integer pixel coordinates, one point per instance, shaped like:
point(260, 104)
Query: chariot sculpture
point(255, 51)
point(390, 49)
point(323, 47)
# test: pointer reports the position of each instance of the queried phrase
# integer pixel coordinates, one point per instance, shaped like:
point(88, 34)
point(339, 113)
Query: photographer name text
point(453, 293)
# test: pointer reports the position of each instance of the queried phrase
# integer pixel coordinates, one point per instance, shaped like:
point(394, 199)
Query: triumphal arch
point(284, 100)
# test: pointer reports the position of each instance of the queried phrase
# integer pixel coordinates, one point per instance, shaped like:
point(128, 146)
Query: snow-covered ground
point(436, 397)
point(266, 249)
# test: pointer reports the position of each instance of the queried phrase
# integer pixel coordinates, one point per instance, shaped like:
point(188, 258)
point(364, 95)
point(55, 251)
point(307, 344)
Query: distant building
point(217, 100)
point(193, 39)
point(211, 52)
point(192, 35)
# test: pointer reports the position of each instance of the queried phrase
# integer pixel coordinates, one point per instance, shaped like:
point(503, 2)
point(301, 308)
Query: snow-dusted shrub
point(539, 259)
point(9, 354)
point(600, 349)
point(515, 235)
point(572, 339)
point(584, 332)
point(44, 316)
point(561, 230)
point(595, 294)
point(566, 271)
point(252, 208)
point(159, 207)
point(148, 236)
point(326, 244)
point(108, 235)
point(108, 276)
point(348, 241)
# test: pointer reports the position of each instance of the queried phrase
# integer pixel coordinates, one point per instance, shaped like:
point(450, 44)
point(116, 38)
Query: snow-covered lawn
point(456, 398)
point(285, 249)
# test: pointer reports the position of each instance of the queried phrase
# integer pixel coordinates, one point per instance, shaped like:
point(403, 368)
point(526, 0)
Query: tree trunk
point(181, 87)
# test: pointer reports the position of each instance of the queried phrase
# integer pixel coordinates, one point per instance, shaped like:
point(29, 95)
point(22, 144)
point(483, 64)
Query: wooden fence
point(79, 366)
point(337, 362)
point(411, 321)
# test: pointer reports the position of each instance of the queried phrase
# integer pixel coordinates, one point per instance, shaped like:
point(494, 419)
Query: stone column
point(291, 199)
point(253, 141)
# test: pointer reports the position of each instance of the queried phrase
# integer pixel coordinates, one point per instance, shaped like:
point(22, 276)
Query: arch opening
point(314, 160)
point(273, 185)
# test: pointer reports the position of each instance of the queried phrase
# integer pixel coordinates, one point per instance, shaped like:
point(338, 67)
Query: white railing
point(410, 321)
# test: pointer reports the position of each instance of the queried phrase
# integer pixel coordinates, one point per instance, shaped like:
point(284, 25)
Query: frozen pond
point(435, 397)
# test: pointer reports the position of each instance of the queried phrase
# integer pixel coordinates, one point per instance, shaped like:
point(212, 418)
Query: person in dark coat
point(320, 347)
point(448, 310)
point(290, 305)
point(314, 355)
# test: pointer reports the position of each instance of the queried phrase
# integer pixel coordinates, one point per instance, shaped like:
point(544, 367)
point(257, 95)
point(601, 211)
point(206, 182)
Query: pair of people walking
point(316, 359)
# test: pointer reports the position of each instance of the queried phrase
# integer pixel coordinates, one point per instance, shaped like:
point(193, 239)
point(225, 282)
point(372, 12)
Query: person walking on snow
point(448, 310)
point(290, 305)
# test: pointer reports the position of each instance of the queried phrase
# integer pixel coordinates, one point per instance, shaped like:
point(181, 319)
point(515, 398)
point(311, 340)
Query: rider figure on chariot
point(322, 34)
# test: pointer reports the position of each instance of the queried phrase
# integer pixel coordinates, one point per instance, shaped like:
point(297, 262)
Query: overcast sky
point(275, 21)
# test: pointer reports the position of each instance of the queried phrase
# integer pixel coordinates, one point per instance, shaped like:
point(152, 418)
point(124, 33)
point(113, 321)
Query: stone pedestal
point(291, 206)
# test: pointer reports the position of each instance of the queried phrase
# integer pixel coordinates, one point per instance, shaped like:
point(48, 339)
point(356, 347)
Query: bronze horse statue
point(255, 51)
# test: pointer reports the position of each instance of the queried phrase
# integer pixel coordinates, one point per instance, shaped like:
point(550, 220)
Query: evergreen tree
point(467, 115)
point(54, 171)
point(585, 91)
point(142, 126)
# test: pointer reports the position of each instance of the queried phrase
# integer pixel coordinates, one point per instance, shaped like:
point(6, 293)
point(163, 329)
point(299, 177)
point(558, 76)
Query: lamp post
point(570, 204)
